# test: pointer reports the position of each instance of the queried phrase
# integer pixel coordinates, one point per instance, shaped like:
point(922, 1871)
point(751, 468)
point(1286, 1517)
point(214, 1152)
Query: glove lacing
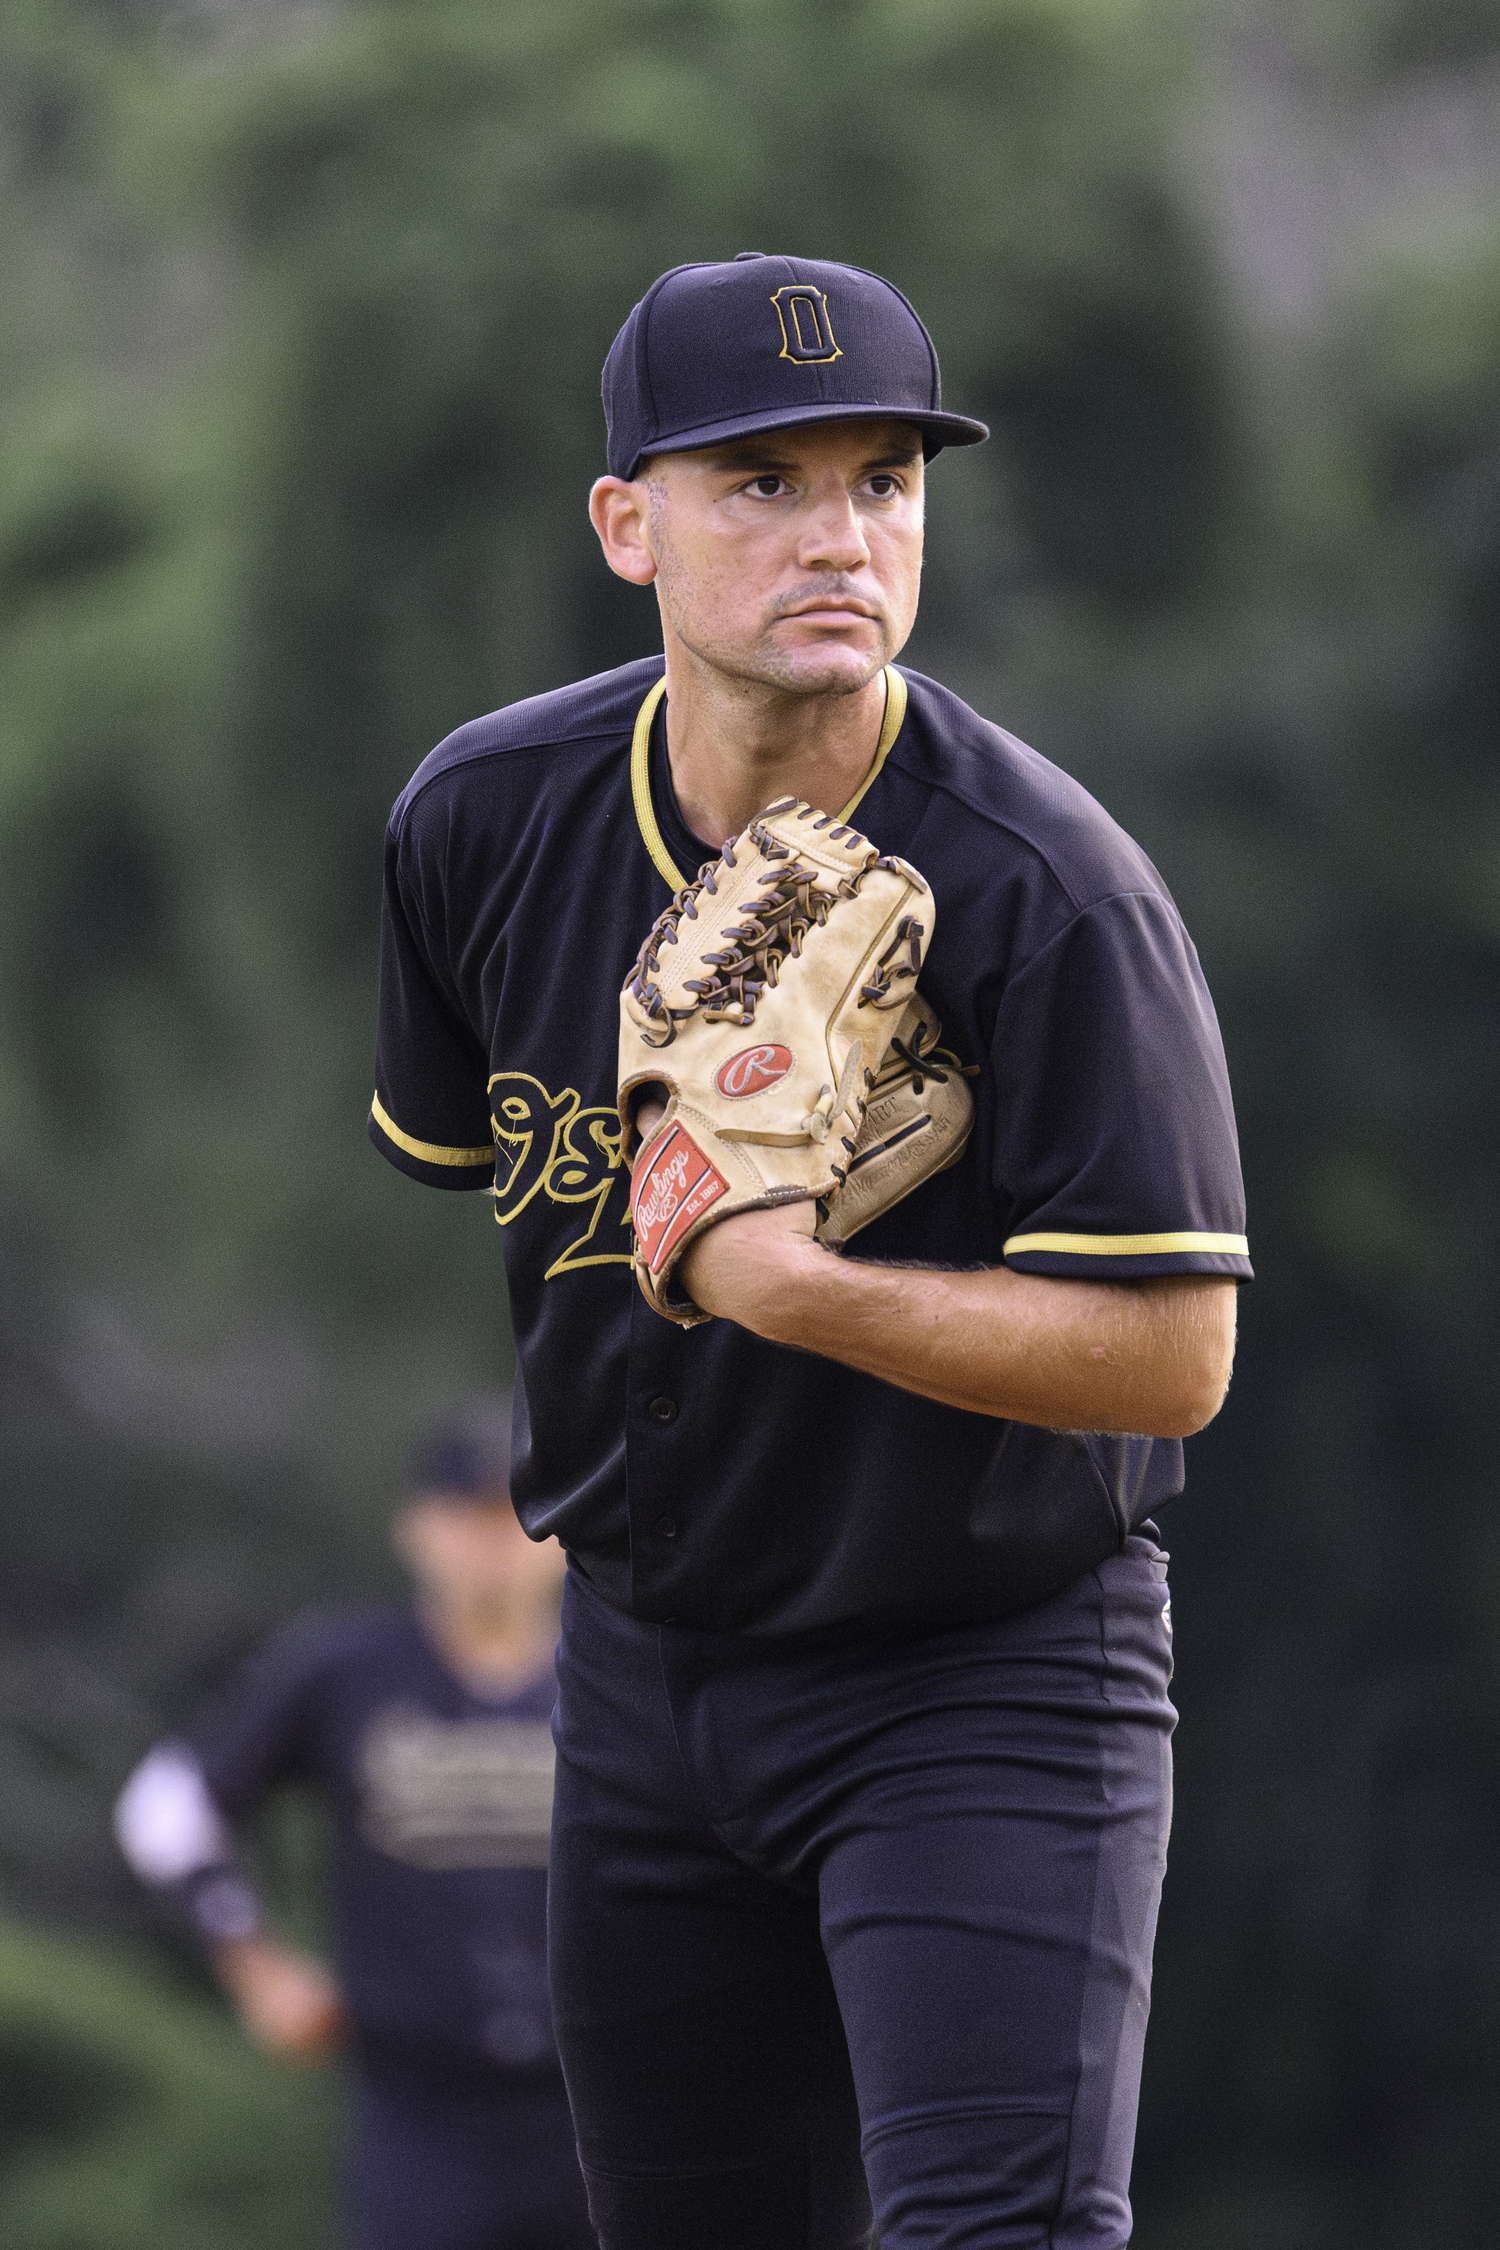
point(793, 900)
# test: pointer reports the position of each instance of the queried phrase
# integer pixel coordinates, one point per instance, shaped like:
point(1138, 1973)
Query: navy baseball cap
point(713, 352)
point(467, 1455)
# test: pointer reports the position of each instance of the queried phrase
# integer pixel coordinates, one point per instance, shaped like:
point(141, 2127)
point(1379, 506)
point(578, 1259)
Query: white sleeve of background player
point(166, 1823)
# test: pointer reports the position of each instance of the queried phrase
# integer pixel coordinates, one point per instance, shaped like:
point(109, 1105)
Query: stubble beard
point(806, 672)
point(763, 663)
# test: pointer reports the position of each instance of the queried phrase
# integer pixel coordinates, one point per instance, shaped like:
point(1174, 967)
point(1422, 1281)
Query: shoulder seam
point(593, 723)
point(1082, 913)
point(415, 790)
point(938, 783)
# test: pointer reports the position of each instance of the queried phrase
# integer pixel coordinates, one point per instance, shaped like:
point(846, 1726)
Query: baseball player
point(863, 1725)
point(426, 1729)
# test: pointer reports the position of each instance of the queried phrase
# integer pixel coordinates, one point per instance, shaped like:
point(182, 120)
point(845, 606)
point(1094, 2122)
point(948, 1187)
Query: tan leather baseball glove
point(917, 1121)
point(762, 1005)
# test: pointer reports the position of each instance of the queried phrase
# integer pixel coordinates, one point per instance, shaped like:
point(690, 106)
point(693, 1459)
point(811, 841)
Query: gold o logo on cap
point(806, 332)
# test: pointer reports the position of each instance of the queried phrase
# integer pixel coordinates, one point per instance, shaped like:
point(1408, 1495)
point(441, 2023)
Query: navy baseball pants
point(862, 1917)
point(460, 2161)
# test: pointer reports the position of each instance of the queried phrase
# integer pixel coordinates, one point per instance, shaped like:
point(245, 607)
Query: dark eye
point(767, 486)
point(884, 487)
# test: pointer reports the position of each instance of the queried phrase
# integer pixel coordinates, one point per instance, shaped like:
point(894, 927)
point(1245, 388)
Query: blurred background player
point(426, 1727)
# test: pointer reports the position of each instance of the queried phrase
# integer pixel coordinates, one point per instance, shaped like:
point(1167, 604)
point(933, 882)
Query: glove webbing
point(793, 900)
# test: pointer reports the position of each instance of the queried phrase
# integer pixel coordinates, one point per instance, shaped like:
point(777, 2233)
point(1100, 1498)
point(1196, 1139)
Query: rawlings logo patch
point(752, 1070)
point(674, 1184)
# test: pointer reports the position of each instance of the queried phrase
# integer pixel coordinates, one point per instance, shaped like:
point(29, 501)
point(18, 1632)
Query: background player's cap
point(467, 1455)
point(713, 352)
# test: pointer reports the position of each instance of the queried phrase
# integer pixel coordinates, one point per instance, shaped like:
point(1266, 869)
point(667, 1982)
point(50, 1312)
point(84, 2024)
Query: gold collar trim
point(640, 771)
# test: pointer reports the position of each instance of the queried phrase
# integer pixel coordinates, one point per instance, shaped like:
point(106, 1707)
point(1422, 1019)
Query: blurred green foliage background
point(303, 308)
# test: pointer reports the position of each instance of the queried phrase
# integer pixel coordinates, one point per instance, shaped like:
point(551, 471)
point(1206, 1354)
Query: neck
point(491, 1643)
point(734, 746)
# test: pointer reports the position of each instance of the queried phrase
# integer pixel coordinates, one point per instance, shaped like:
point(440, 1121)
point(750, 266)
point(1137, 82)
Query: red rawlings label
point(672, 1185)
point(752, 1070)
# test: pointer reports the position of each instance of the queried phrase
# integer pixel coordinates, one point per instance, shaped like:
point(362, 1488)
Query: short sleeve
point(262, 1731)
point(430, 1116)
point(1115, 1143)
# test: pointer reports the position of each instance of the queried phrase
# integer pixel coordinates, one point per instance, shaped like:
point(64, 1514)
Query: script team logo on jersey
point(554, 1154)
point(674, 1184)
point(752, 1070)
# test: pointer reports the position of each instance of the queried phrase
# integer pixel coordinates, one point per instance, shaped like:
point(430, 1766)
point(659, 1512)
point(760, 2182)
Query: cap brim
point(938, 429)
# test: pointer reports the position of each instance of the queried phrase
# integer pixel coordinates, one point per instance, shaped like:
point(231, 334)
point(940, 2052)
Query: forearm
point(1149, 1357)
point(174, 1836)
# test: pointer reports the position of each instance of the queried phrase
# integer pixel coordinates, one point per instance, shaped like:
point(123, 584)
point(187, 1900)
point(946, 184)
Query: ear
point(621, 514)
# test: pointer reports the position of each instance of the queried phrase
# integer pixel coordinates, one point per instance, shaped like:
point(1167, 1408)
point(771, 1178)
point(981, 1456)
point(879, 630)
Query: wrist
point(815, 1299)
point(783, 1287)
point(222, 1907)
point(758, 1270)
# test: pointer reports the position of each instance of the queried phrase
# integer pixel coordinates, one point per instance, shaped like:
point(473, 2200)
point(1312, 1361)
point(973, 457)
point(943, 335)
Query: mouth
point(834, 609)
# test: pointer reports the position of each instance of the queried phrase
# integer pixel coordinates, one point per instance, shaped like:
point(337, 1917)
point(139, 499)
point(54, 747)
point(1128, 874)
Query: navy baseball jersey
point(704, 1475)
point(442, 1804)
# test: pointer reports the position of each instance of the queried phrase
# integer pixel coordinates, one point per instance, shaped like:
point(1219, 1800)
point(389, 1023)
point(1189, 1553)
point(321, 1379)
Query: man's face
point(792, 559)
point(461, 1549)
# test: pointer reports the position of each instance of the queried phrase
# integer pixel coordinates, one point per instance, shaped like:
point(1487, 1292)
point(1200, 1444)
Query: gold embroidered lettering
point(550, 1144)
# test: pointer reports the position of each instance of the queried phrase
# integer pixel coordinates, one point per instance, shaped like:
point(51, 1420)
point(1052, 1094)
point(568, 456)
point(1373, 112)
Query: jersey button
point(663, 1410)
point(667, 1526)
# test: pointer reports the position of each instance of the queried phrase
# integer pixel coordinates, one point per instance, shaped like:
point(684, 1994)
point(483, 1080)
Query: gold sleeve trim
point(428, 1151)
point(1129, 1245)
point(640, 771)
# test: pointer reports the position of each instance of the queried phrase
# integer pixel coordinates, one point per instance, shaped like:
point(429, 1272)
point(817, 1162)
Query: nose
point(833, 537)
